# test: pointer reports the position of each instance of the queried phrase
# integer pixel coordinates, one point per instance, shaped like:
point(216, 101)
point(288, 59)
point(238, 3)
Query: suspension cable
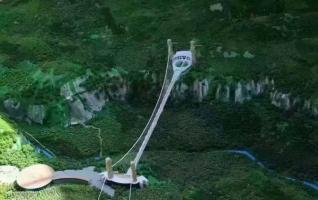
point(153, 113)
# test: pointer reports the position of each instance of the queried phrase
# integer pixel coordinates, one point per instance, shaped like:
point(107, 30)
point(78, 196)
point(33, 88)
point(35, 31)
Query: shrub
point(7, 135)
point(4, 190)
point(20, 158)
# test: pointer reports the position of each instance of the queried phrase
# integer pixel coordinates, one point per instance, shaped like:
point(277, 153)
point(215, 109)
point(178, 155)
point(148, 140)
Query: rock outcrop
point(29, 113)
point(200, 89)
point(119, 91)
point(244, 91)
point(83, 104)
point(36, 113)
point(14, 109)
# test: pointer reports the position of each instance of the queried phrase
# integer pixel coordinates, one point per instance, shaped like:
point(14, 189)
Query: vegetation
point(45, 44)
point(8, 135)
point(12, 150)
point(220, 176)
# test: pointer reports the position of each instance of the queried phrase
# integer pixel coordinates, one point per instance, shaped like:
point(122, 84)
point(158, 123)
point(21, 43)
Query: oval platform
point(35, 177)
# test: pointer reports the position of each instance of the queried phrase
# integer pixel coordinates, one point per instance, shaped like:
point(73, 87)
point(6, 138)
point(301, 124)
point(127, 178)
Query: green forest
point(79, 80)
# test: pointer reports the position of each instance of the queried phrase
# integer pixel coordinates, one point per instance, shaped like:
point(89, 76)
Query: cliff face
point(237, 39)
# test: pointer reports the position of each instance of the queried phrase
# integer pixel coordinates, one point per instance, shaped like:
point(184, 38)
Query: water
point(250, 156)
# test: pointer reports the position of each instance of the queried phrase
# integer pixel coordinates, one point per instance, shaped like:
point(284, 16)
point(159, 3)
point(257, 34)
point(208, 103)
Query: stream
point(250, 156)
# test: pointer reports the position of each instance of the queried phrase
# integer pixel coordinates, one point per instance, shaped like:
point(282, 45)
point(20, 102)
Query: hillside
point(254, 88)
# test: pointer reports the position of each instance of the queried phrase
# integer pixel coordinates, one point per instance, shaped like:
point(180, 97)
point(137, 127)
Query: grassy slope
point(213, 175)
point(217, 175)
